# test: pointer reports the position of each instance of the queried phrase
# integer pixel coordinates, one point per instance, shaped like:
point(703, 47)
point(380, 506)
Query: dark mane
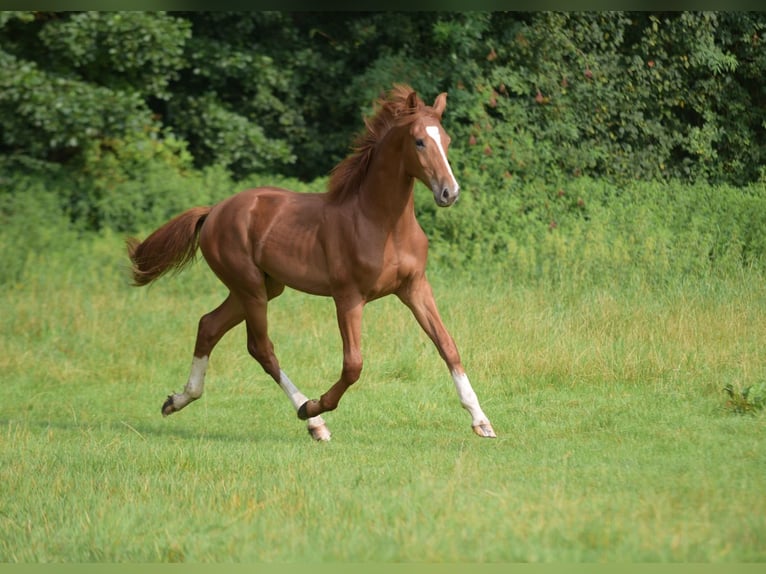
point(392, 111)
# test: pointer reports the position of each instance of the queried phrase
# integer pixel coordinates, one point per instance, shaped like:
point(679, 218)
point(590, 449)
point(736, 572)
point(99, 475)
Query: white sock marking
point(298, 398)
point(292, 392)
point(196, 384)
point(468, 397)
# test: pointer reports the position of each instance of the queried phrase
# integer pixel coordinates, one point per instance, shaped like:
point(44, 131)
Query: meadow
point(615, 439)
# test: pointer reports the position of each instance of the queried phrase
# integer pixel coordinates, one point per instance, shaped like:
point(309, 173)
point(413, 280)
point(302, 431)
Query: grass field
point(615, 441)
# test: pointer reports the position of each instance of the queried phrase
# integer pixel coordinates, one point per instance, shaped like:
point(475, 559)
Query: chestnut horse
point(356, 242)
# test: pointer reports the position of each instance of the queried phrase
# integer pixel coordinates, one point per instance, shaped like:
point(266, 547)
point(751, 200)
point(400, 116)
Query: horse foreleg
point(212, 327)
point(480, 423)
point(350, 324)
point(419, 298)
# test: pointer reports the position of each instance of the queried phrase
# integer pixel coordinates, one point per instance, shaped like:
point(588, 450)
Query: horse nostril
point(445, 193)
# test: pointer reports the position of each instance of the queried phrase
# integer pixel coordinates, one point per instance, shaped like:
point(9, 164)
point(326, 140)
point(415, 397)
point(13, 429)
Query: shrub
point(587, 231)
point(747, 400)
point(33, 223)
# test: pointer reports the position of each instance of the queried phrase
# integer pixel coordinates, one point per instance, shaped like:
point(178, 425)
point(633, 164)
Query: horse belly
point(295, 264)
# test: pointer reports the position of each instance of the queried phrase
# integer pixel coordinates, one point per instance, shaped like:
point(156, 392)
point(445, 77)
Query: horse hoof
point(167, 407)
point(484, 430)
point(320, 433)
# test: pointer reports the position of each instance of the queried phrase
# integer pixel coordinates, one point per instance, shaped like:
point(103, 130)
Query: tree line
point(623, 96)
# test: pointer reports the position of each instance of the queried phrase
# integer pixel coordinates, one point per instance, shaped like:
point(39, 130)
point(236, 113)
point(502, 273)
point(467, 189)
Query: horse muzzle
point(445, 194)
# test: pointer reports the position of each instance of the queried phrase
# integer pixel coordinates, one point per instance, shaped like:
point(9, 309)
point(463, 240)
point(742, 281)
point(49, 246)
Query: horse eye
point(420, 144)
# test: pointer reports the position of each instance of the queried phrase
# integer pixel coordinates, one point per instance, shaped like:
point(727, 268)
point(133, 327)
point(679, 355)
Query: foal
point(357, 242)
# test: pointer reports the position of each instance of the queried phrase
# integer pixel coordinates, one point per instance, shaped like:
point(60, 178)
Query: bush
point(748, 400)
point(33, 223)
point(592, 231)
point(617, 95)
point(580, 232)
point(138, 183)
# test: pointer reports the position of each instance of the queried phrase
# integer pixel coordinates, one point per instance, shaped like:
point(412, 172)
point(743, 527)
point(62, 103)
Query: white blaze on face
point(434, 134)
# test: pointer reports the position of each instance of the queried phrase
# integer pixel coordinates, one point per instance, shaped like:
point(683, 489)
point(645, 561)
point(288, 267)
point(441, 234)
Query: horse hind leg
point(192, 390)
point(212, 327)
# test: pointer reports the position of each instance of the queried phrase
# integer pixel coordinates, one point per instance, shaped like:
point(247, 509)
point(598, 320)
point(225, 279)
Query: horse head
point(426, 150)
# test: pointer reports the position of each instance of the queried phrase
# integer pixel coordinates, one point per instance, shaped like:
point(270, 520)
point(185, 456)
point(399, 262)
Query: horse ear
point(440, 103)
point(412, 100)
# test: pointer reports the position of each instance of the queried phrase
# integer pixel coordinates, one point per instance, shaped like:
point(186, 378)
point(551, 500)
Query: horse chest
point(381, 262)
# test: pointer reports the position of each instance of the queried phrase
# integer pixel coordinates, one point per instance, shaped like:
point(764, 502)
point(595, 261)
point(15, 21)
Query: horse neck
point(386, 193)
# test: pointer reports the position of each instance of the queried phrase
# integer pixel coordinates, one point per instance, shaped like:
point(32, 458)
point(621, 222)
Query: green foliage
point(70, 81)
point(127, 51)
point(582, 140)
point(587, 231)
point(51, 119)
point(130, 187)
point(235, 101)
point(619, 95)
point(622, 95)
point(141, 183)
point(748, 400)
point(582, 232)
point(33, 223)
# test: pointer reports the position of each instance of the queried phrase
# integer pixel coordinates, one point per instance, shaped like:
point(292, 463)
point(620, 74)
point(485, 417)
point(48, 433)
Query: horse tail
point(169, 248)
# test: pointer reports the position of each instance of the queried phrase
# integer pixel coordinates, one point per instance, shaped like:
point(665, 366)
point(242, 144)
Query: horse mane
point(393, 110)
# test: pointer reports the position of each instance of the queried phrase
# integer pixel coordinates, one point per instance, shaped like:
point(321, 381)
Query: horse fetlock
point(308, 409)
point(176, 402)
point(192, 393)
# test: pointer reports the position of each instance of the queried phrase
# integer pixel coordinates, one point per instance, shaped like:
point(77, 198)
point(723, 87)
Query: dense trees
point(614, 94)
point(122, 119)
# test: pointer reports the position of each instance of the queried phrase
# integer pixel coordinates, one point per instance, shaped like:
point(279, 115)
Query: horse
point(355, 242)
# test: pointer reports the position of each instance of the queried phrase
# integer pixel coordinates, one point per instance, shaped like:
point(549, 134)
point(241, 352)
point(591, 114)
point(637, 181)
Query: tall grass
point(615, 442)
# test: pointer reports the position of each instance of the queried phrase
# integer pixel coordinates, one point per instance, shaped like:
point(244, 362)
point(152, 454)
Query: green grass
point(615, 441)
